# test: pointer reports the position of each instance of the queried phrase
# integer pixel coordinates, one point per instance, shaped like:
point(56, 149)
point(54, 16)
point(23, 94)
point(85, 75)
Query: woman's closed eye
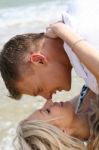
point(47, 110)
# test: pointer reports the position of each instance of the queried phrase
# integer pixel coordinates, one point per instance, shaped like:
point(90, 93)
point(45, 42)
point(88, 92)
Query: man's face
point(47, 77)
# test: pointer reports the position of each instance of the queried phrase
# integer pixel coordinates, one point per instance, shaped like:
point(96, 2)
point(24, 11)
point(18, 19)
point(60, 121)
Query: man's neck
point(55, 50)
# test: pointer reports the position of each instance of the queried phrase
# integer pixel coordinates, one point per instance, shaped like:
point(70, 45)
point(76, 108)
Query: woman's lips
point(61, 103)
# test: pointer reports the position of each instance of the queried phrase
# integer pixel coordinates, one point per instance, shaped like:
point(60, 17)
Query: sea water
point(23, 16)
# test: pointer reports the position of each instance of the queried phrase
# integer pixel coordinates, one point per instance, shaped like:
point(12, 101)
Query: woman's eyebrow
point(41, 112)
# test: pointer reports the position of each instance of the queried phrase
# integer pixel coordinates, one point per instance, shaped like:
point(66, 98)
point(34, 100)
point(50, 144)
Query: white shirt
point(79, 68)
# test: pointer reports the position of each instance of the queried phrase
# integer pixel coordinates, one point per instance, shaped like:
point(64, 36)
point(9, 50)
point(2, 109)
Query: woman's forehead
point(36, 115)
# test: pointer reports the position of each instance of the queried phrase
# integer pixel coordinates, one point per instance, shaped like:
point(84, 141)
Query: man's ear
point(38, 58)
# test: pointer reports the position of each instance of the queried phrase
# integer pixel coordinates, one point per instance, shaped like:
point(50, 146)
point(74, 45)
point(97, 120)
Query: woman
point(57, 127)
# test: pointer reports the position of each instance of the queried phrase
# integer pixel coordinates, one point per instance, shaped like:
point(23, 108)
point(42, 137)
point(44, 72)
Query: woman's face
point(62, 112)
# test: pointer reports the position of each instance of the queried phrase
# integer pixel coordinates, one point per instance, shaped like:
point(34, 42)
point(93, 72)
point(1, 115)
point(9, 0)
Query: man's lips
point(51, 94)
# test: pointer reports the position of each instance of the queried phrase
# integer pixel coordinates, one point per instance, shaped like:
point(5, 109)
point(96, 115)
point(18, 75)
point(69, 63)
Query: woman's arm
point(87, 54)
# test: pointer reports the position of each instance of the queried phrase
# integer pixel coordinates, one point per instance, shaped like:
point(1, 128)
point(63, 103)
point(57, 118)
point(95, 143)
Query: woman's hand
point(54, 29)
point(50, 33)
point(57, 29)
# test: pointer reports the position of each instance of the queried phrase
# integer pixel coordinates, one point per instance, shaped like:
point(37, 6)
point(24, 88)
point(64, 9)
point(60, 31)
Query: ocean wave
point(29, 18)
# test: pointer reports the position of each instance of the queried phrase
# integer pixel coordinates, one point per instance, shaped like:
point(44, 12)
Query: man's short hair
point(12, 59)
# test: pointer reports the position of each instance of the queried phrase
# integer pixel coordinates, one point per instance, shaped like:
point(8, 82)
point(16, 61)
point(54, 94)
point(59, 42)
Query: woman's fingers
point(50, 30)
point(50, 33)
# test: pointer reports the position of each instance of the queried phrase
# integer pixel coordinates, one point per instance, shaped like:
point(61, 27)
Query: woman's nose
point(48, 104)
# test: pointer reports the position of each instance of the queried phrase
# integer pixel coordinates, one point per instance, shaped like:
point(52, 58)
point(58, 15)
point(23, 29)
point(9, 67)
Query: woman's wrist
point(66, 34)
point(77, 42)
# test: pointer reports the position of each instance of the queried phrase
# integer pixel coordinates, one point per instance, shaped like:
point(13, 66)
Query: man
point(35, 64)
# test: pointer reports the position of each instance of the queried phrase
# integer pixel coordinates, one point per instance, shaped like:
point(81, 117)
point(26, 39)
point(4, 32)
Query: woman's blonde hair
point(40, 135)
point(93, 114)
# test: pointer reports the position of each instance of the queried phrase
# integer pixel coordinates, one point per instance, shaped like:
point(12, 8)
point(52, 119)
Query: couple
point(39, 64)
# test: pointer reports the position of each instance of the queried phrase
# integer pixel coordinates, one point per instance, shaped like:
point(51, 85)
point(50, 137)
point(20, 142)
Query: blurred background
point(17, 17)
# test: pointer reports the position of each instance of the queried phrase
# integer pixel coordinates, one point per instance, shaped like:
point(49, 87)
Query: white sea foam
point(33, 18)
